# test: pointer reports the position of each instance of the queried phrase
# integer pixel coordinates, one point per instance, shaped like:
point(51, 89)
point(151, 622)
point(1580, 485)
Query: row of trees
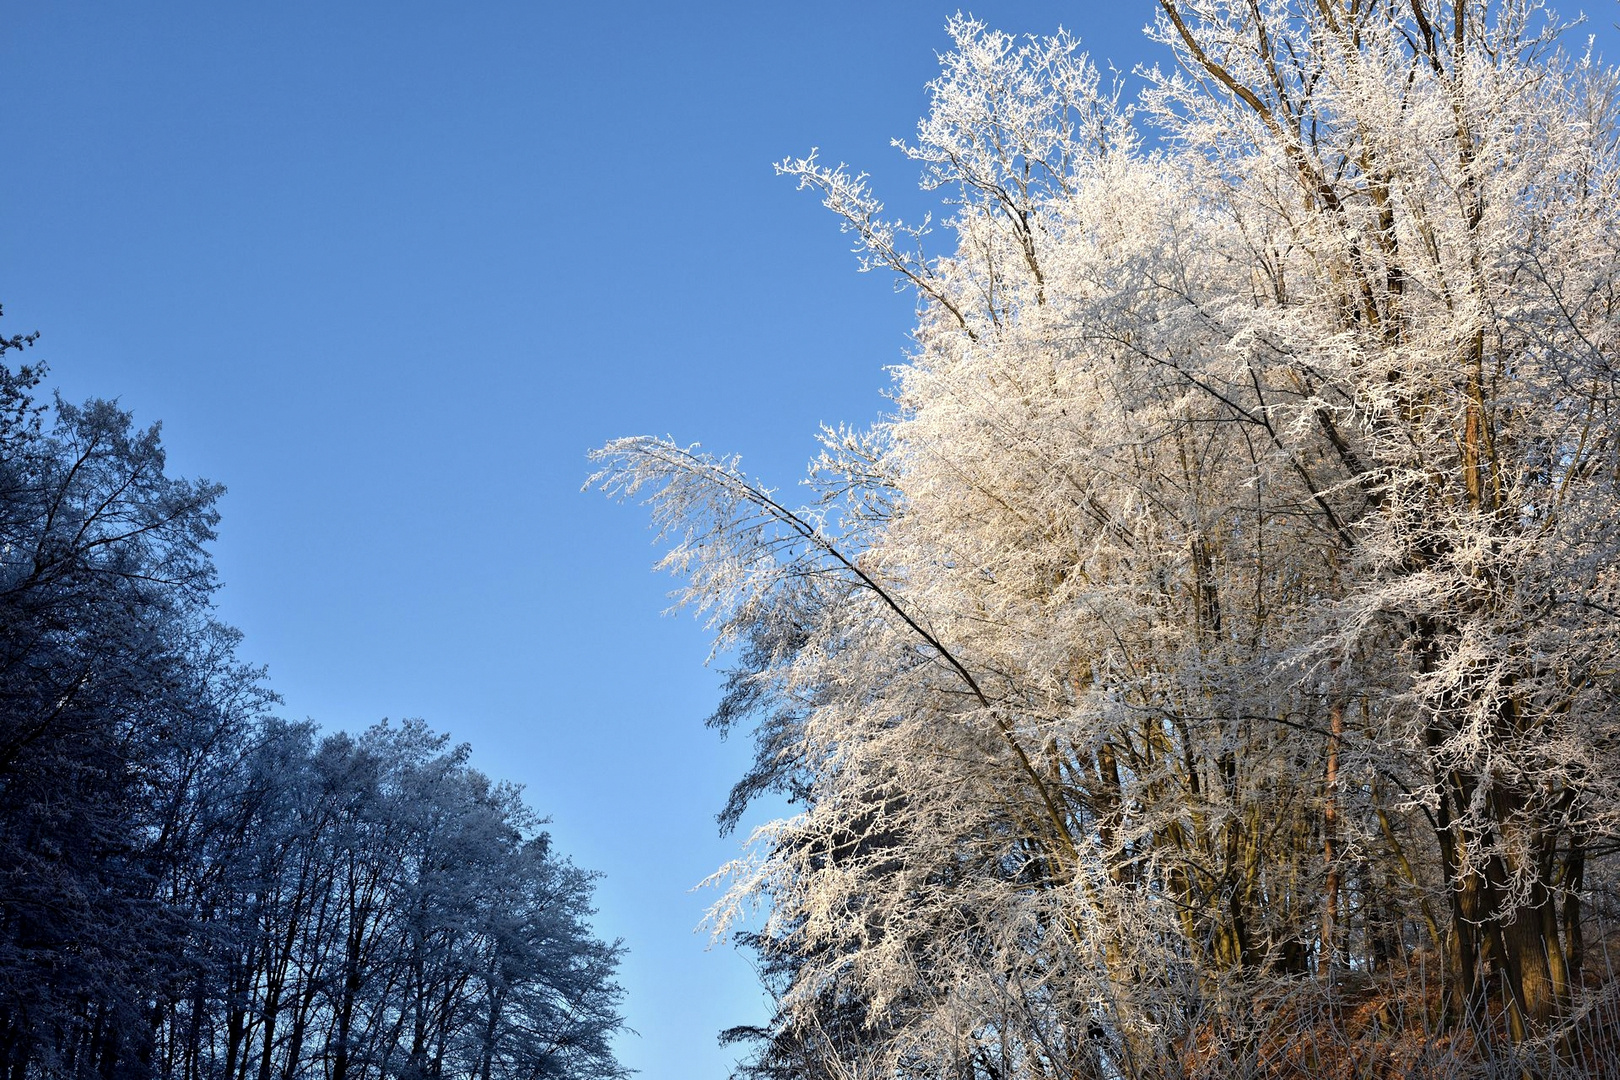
point(1211, 669)
point(192, 889)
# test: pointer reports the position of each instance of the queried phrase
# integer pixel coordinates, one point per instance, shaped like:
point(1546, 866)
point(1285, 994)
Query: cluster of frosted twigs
point(1212, 668)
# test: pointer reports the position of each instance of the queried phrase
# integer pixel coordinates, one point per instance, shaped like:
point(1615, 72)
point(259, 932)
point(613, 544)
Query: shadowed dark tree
point(192, 889)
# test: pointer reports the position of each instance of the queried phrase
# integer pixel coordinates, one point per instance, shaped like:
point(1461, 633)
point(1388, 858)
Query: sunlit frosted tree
point(1221, 634)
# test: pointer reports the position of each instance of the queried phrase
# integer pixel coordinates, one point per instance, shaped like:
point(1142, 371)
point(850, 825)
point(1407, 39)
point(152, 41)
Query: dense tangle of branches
point(191, 889)
point(1211, 668)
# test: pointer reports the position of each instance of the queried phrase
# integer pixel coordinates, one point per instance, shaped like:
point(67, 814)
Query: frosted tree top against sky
point(388, 271)
point(1220, 634)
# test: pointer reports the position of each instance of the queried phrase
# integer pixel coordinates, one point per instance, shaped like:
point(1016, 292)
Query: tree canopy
point(1210, 667)
point(194, 889)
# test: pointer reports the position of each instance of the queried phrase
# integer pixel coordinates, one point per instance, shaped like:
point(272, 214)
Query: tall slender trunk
point(1327, 960)
point(486, 1052)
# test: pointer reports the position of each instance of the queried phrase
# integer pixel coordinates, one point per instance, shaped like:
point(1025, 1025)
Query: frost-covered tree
point(112, 679)
point(379, 909)
point(192, 889)
point(1219, 638)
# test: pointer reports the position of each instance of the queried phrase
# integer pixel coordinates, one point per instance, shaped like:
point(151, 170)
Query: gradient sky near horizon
point(389, 270)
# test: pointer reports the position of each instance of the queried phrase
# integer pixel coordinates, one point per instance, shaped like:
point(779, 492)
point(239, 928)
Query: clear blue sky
point(388, 270)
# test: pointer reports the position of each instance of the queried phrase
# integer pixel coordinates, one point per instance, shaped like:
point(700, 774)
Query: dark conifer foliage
point(193, 889)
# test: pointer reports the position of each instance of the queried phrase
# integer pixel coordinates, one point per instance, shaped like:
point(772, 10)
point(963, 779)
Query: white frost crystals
point(1210, 668)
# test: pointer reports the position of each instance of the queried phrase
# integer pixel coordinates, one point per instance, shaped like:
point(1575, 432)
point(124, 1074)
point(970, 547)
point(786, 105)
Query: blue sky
point(389, 270)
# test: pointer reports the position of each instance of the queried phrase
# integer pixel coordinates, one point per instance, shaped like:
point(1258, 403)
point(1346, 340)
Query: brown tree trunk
point(1330, 840)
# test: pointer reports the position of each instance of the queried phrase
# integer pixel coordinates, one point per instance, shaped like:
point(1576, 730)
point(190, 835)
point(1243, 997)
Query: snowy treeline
point(191, 889)
point(1213, 666)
